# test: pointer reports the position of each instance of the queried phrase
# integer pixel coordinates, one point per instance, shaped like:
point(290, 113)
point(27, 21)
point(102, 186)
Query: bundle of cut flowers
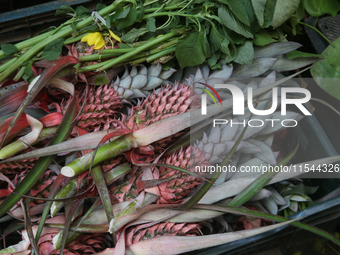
point(105, 147)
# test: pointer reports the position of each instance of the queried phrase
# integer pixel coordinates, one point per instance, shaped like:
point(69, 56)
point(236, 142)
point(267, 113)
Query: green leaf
point(215, 39)
point(140, 10)
point(122, 13)
point(217, 66)
point(81, 11)
point(245, 54)
point(233, 54)
point(300, 11)
point(326, 72)
point(225, 46)
point(28, 74)
point(254, 25)
point(53, 49)
point(151, 24)
point(64, 9)
point(259, 7)
point(263, 38)
point(100, 6)
point(284, 9)
point(269, 12)
point(191, 51)
point(238, 9)
point(128, 20)
point(133, 35)
point(100, 80)
point(320, 7)
point(8, 49)
point(300, 54)
point(214, 58)
point(229, 20)
point(237, 38)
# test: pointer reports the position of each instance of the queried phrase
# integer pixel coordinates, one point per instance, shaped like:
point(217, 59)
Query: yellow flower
point(95, 39)
point(114, 36)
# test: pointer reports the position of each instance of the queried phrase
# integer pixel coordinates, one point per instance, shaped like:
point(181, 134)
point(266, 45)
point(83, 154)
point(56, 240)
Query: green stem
point(105, 152)
point(19, 74)
point(116, 51)
point(74, 39)
point(92, 67)
point(316, 30)
point(7, 64)
point(116, 173)
point(160, 54)
point(142, 57)
point(140, 49)
point(97, 57)
point(159, 14)
point(169, 8)
point(168, 44)
point(145, 56)
point(61, 34)
point(12, 149)
point(18, 145)
point(27, 43)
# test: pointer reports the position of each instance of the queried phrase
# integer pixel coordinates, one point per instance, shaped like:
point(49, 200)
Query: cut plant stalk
point(72, 187)
point(85, 142)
